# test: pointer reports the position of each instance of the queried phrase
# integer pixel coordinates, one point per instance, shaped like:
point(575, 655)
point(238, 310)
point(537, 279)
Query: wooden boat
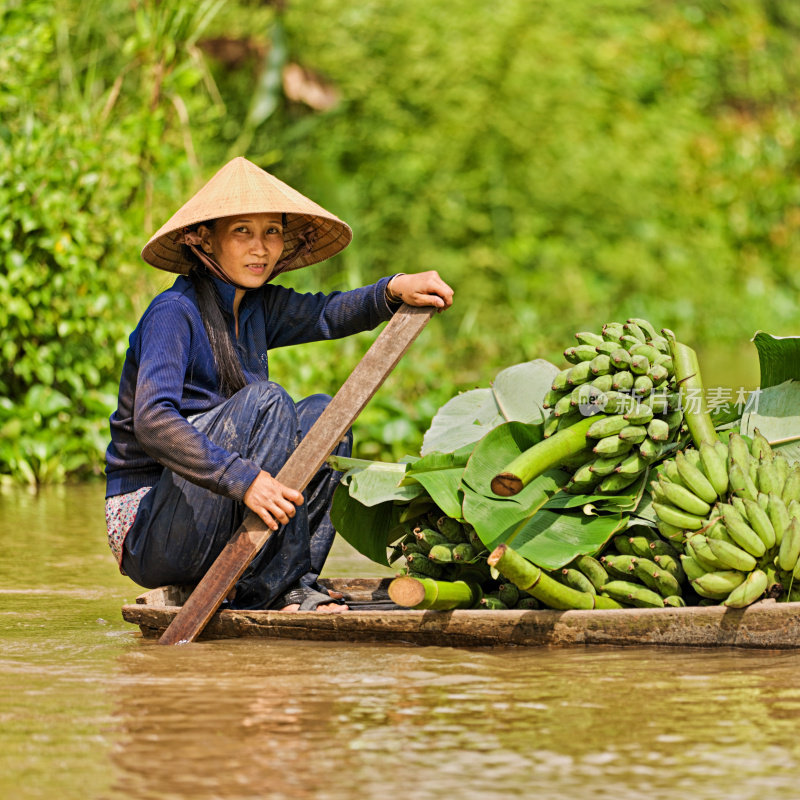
point(374, 618)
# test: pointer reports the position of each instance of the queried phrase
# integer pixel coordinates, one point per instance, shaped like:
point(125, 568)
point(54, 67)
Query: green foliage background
point(560, 164)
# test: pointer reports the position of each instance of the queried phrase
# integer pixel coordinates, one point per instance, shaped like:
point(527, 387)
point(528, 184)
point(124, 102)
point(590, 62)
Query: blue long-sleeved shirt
point(169, 375)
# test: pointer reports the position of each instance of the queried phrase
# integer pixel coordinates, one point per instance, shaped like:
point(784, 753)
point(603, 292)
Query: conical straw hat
point(241, 187)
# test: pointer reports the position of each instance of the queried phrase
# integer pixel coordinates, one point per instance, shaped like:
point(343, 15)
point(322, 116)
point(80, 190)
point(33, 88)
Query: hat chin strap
point(305, 244)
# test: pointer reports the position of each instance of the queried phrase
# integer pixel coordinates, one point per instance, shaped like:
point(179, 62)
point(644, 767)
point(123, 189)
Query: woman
point(200, 431)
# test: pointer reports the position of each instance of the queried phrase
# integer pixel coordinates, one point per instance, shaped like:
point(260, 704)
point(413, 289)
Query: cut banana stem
point(531, 579)
point(542, 456)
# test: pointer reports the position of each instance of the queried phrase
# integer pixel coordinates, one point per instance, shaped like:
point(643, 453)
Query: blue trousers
point(181, 528)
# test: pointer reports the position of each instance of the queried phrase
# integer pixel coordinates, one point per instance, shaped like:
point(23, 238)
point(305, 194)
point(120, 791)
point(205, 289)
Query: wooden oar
point(300, 468)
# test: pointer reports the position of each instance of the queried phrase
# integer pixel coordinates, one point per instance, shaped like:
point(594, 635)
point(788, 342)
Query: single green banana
point(715, 468)
point(716, 530)
point(582, 352)
point(674, 601)
point(748, 592)
point(618, 403)
point(741, 483)
point(741, 533)
point(616, 482)
point(491, 602)
point(623, 381)
point(577, 580)
point(738, 451)
point(580, 373)
point(642, 386)
point(658, 373)
point(601, 364)
point(602, 466)
point(731, 556)
point(607, 347)
point(612, 331)
point(683, 498)
point(428, 537)
point(658, 430)
point(739, 505)
point(640, 364)
point(560, 380)
point(606, 426)
point(763, 500)
point(778, 516)
point(635, 434)
point(620, 565)
point(718, 585)
point(759, 522)
point(698, 548)
point(421, 564)
point(611, 446)
point(782, 468)
point(592, 569)
point(621, 358)
point(671, 533)
point(442, 553)
point(644, 325)
point(635, 330)
point(640, 546)
point(464, 552)
point(678, 517)
point(639, 415)
point(626, 340)
point(650, 450)
point(563, 406)
point(507, 593)
point(769, 479)
point(672, 565)
point(584, 474)
point(695, 479)
point(791, 488)
point(631, 465)
point(550, 426)
point(603, 383)
point(587, 337)
point(760, 447)
point(658, 547)
point(790, 546)
point(623, 544)
point(551, 398)
point(647, 350)
point(632, 594)
point(655, 578)
point(691, 567)
point(527, 603)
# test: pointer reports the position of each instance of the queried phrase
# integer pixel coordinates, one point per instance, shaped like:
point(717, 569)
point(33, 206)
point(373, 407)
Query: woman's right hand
point(273, 501)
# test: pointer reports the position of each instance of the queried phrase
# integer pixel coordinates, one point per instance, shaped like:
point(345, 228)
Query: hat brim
point(241, 187)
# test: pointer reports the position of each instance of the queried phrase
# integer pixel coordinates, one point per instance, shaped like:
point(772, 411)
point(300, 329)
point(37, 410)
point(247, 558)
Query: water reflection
point(289, 720)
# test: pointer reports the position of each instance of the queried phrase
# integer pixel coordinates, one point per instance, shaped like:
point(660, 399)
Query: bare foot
point(326, 608)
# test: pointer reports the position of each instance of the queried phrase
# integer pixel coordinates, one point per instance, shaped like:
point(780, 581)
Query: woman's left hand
point(421, 289)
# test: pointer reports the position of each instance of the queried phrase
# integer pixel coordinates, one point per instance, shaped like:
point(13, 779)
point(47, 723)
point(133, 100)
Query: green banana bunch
point(734, 509)
point(624, 376)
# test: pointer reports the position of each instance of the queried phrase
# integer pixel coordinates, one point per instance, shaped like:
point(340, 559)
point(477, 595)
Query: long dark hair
point(227, 363)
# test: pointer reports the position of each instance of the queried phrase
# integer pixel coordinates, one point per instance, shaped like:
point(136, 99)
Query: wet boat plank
point(766, 625)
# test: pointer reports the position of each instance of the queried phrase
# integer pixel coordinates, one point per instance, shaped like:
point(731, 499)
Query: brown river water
point(90, 710)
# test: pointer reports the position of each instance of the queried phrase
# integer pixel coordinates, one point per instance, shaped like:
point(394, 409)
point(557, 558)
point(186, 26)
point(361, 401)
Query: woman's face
point(246, 246)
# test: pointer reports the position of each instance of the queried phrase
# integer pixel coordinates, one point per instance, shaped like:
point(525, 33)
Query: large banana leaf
point(516, 394)
point(440, 475)
point(776, 414)
point(778, 358)
point(369, 529)
point(550, 538)
point(374, 482)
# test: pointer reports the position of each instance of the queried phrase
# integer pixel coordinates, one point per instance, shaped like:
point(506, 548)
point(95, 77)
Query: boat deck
point(374, 618)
